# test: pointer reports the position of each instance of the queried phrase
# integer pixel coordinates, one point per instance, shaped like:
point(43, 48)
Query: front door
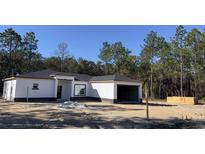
point(59, 92)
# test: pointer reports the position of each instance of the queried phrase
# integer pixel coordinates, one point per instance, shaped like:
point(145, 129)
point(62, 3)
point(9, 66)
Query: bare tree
point(62, 53)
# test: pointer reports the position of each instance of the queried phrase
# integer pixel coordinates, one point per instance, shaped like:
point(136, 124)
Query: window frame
point(35, 88)
point(75, 89)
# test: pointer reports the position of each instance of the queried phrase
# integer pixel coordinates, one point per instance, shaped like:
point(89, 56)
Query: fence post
point(147, 103)
point(27, 94)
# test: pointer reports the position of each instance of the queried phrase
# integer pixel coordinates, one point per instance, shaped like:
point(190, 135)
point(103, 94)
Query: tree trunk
point(147, 103)
point(106, 68)
point(181, 80)
point(160, 90)
point(151, 84)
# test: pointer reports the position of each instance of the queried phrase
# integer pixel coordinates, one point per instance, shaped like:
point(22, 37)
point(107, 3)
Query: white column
point(56, 87)
point(140, 90)
point(115, 90)
point(72, 88)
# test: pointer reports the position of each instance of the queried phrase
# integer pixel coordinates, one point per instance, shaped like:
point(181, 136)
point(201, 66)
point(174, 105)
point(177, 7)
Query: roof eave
point(10, 78)
point(112, 81)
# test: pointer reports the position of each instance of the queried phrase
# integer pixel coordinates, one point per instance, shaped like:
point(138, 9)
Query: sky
point(85, 41)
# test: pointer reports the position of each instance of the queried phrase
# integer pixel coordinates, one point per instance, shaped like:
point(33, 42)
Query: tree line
point(174, 67)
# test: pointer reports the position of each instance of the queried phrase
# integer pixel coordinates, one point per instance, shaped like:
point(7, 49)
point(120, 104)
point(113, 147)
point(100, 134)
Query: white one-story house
point(49, 85)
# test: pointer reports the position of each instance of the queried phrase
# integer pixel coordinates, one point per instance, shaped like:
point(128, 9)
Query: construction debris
point(73, 105)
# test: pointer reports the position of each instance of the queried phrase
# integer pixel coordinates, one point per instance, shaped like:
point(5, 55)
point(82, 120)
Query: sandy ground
point(102, 115)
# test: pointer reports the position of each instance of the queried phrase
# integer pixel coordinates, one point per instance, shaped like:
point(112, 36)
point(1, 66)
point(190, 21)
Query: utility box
point(182, 100)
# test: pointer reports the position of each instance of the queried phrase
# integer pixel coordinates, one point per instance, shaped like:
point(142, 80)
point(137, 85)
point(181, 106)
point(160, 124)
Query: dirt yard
point(101, 115)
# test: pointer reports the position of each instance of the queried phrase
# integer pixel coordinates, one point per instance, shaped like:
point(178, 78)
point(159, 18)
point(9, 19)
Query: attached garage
point(116, 89)
point(127, 93)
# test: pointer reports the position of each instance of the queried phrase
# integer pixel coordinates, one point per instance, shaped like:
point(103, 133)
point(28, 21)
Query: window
point(35, 86)
point(80, 90)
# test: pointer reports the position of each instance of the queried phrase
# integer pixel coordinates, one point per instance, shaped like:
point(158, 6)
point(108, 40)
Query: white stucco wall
point(101, 90)
point(46, 88)
point(9, 94)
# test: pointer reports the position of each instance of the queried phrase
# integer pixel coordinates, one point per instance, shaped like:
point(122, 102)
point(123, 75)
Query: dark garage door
point(127, 93)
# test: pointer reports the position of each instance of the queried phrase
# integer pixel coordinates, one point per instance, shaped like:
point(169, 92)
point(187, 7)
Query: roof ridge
point(74, 74)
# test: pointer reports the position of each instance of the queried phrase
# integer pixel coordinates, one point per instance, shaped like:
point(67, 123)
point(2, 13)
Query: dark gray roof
point(79, 77)
point(47, 74)
point(112, 78)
